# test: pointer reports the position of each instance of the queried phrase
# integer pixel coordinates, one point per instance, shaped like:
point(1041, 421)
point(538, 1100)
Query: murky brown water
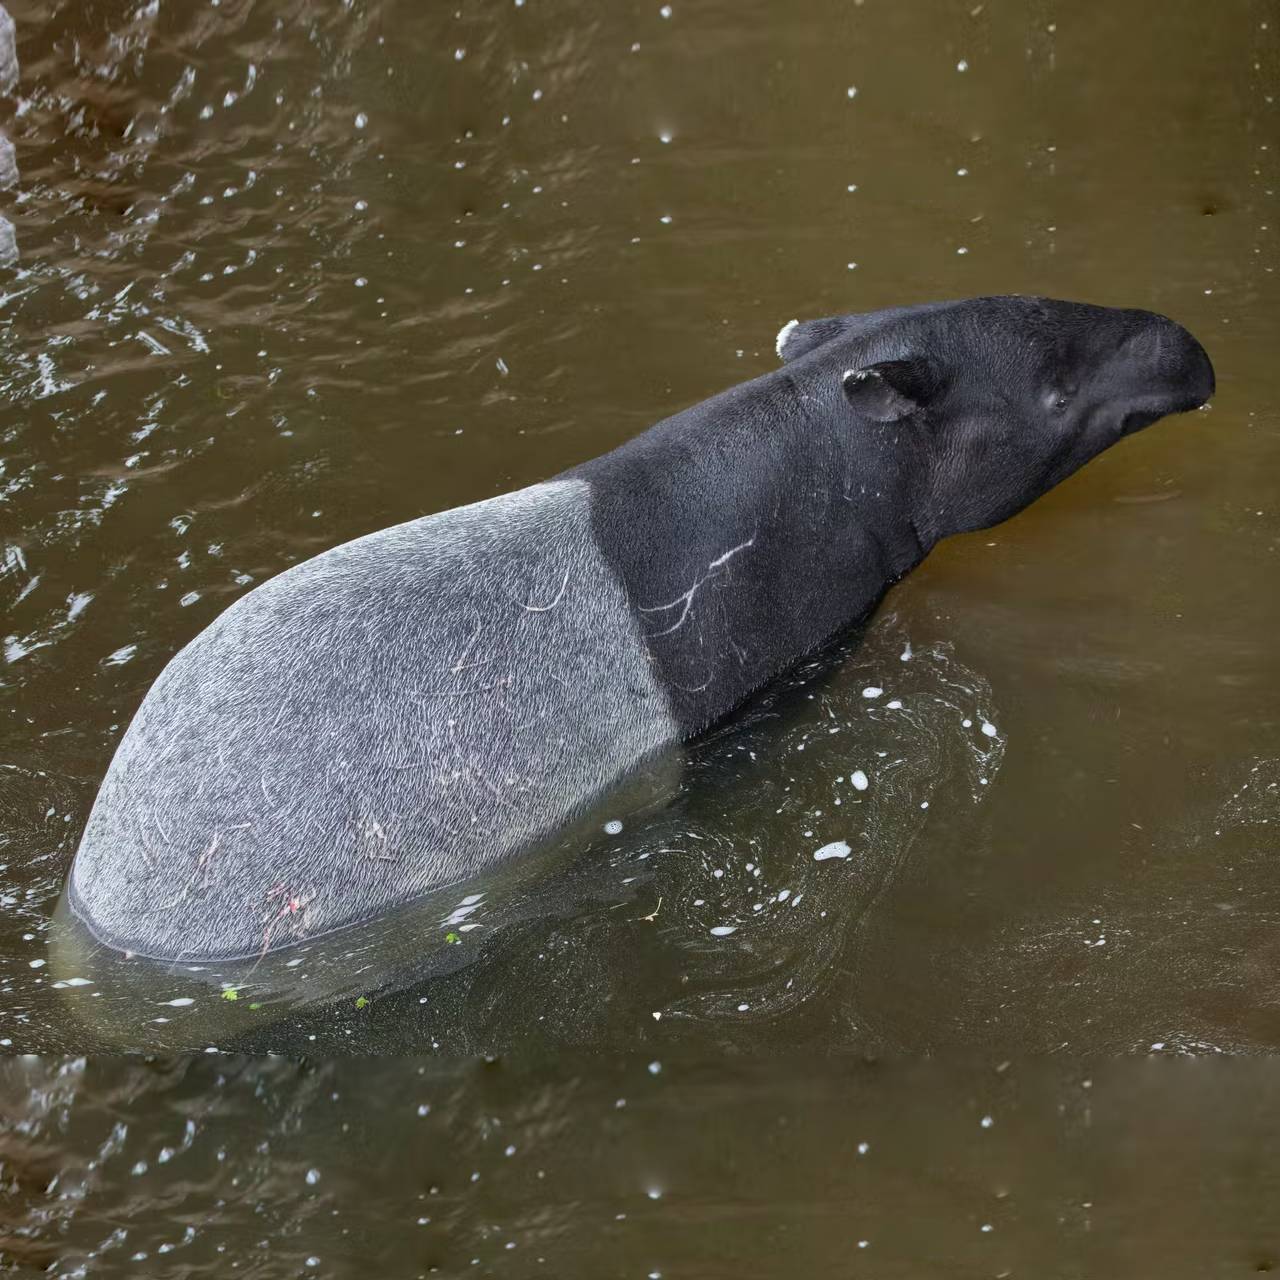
point(291, 272)
point(627, 1167)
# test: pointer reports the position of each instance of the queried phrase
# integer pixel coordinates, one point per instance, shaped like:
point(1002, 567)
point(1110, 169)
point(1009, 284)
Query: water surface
point(639, 1167)
point(289, 273)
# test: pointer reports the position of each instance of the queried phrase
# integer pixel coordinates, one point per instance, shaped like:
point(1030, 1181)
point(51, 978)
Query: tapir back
point(391, 716)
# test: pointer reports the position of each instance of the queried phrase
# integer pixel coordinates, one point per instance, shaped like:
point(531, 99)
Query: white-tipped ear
point(797, 338)
point(871, 392)
point(783, 334)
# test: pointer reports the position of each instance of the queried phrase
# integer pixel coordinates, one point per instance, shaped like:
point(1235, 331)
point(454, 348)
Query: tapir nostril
point(1194, 369)
point(1194, 383)
point(1179, 364)
point(1207, 383)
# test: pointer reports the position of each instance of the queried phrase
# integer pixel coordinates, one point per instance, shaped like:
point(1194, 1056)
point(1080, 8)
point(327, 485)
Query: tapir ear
point(890, 390)
point(797, 338)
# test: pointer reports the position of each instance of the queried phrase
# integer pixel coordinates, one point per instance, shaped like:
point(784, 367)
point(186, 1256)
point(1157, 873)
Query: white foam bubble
point(836, 849)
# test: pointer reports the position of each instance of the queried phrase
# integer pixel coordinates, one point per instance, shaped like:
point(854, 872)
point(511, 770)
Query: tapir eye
point(1059, 399)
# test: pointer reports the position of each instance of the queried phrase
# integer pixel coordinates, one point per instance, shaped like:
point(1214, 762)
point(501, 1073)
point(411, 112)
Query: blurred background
point(282, 274)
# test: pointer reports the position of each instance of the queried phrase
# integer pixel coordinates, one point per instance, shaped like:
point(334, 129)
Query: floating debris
point(836, 849)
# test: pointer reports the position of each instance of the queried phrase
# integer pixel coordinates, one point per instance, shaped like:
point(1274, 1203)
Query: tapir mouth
point(1139, 418)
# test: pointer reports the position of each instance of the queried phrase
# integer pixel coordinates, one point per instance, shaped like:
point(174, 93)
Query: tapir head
point(1004, 397)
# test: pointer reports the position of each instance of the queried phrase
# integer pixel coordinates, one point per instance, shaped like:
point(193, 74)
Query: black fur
point(827, 480)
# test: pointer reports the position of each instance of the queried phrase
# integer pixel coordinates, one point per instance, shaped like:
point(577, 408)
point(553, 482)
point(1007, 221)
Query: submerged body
point(401, 712)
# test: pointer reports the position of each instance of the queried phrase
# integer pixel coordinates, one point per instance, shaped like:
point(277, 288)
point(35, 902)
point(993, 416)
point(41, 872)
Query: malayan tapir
point(405, 710)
